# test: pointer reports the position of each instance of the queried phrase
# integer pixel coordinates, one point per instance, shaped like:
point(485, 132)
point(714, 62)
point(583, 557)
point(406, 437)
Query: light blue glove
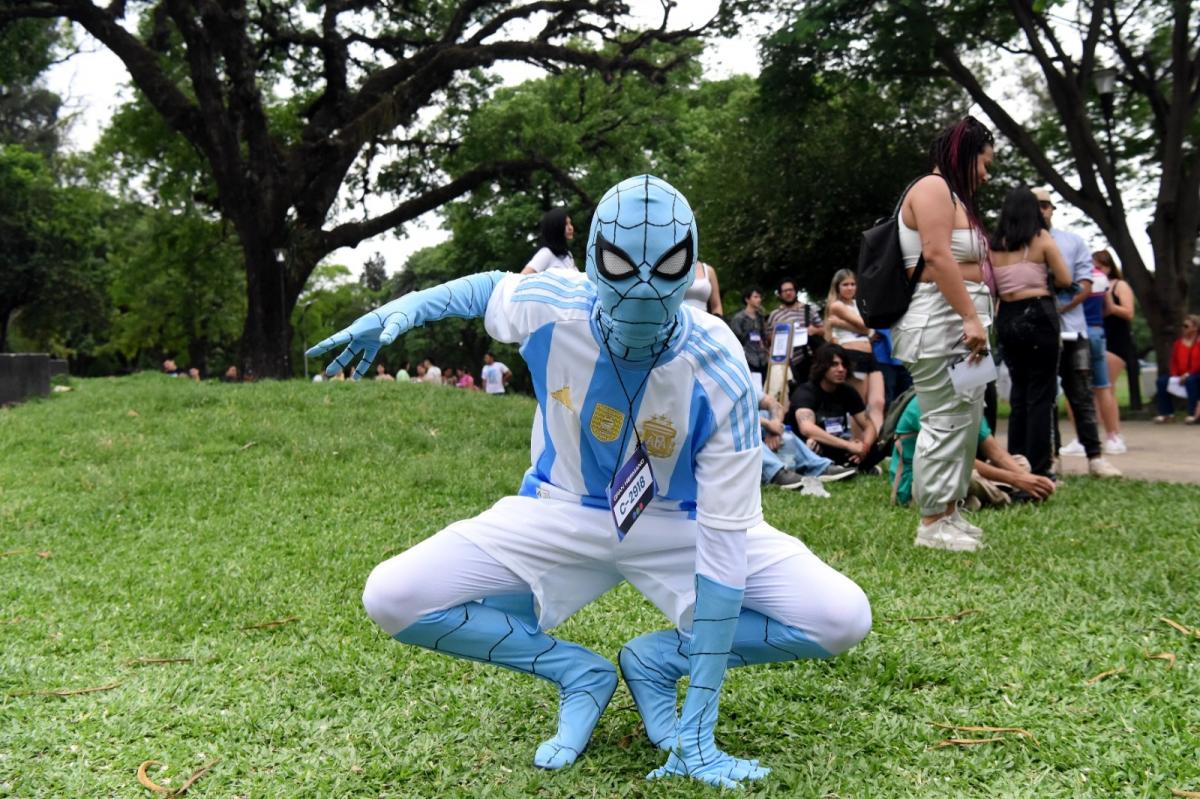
point(695, 753)
point(466, 297)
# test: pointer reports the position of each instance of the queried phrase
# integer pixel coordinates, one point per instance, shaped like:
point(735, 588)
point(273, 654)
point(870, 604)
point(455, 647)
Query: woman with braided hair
point(947, 320)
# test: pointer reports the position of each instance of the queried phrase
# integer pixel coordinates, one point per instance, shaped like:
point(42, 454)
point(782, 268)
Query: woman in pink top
point(1023, 257)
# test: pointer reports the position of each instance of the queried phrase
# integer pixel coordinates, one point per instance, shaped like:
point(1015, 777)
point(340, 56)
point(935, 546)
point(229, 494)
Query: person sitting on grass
point(1184, 377)
point(786, 461)
point(831, 416)
point(997, 478)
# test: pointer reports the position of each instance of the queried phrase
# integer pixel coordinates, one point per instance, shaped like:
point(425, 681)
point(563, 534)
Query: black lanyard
point(630, 399)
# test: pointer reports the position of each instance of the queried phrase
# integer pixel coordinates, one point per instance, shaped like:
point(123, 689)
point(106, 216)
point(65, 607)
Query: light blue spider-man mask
point(640, 254)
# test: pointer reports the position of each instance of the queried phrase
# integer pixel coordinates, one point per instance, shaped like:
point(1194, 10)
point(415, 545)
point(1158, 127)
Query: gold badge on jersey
point(658, 434)
point(563, 395)
point(606, 423)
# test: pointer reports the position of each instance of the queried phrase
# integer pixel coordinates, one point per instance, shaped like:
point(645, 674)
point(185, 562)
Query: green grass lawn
point(149, 518)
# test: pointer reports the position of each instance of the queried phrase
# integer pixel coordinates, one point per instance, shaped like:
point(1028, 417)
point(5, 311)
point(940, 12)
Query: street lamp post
point(1105, 80)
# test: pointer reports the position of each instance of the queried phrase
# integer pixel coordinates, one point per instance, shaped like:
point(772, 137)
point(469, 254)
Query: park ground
point(195, 553)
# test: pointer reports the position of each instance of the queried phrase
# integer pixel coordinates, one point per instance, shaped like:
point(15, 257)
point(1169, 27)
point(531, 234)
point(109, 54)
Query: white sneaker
point(961, 523)
point(945, 534)
point(1115, 445)
point(1074, 448)
point(1098, 467)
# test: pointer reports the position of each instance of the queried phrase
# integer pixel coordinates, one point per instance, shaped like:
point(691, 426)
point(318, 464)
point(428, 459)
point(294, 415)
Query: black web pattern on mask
point(681, 223)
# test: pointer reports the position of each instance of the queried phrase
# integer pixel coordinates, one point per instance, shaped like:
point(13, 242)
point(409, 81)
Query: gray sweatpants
point(926, 339)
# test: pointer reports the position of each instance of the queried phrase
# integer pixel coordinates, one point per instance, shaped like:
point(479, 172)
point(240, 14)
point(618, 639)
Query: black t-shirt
point(833, 410)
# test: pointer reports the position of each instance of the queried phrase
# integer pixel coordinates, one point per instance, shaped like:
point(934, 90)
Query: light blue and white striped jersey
point(697, 415)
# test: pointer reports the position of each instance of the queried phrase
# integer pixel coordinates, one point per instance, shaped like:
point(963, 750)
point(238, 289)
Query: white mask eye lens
point(614, 265)
point(611, 261)
point(674, 264)
point(677, 261)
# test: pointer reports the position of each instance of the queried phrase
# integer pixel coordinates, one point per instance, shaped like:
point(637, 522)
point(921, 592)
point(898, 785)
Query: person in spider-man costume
point(625, 376)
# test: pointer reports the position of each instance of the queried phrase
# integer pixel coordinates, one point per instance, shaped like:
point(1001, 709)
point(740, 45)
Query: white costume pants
point(568, 555)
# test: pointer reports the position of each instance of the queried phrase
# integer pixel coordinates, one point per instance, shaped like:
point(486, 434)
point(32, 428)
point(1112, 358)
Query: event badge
point(755, 337)
point(631, 490)
point(799, 334)
point(835, 425)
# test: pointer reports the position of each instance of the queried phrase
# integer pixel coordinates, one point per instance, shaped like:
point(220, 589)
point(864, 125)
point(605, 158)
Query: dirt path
point(1169, 452)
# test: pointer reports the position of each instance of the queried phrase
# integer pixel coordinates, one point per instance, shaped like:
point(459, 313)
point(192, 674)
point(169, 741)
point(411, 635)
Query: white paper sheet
point(967, 376)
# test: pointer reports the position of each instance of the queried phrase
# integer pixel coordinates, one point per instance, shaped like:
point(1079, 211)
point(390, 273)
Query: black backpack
point(886, 439)
point(884, 287)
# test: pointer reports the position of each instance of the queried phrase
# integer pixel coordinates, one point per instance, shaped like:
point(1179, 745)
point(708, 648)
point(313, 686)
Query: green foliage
point(138, 152)
point(597, 131)
point(51, 259)
point(169, 531)
point(27, 48)
point(29, 117)
point(177, 289)
point(784, 172)
point(29, 112)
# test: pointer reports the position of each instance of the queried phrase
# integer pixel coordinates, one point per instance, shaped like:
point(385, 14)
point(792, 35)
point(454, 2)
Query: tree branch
point(32, 11)
point(1012, 130)
point(1087, 61)
point(351, 233)
point(220, 140)
point(228, 24)
point(1144, 83)
point(1067, 98)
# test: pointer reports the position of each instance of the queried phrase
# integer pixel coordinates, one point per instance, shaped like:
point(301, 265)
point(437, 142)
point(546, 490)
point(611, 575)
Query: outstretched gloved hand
point(465, 297)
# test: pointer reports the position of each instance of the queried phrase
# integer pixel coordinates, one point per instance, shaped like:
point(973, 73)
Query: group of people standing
point(1061, 313)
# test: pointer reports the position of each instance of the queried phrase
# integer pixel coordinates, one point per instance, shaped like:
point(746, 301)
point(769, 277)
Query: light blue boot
point(652, 664)
point(695, 753)
point(487, 634)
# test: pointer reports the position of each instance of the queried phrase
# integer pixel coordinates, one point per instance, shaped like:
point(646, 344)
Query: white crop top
point(965, 244)
point(844, 335)
point(699, 292)
point(545, 259)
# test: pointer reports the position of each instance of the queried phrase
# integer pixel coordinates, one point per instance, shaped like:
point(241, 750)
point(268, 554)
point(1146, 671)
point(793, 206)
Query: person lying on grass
point(998, 478)
point(645, 467)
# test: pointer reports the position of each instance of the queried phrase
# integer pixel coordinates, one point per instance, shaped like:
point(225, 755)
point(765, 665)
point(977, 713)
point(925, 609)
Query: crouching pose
point(646, 467)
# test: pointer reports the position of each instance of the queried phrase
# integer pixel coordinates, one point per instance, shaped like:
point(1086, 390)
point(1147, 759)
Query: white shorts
point(568, 555)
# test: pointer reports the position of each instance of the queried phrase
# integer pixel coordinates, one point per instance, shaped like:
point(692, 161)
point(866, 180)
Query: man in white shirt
point(1075, 355)
point(495, 374)
point(432, 373)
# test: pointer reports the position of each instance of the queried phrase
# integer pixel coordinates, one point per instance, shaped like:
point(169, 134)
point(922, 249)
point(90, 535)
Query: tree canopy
point(288, 107)
point(1153, 46)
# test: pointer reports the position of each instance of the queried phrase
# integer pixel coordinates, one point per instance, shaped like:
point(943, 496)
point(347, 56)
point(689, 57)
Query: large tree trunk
point(1172, 263)
point(267, 335)
point(5, 316)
